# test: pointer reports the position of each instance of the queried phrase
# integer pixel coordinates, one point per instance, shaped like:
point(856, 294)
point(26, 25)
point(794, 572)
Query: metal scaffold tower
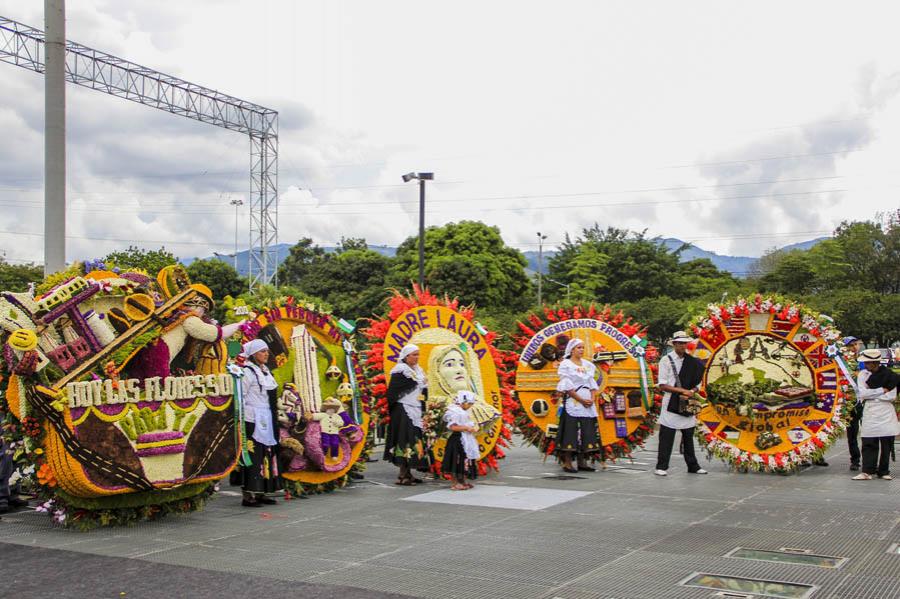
point(23, 46)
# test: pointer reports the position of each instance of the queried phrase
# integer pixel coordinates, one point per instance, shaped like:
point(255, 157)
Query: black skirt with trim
point(579, 434)
point(405, 443)
point(455, 462)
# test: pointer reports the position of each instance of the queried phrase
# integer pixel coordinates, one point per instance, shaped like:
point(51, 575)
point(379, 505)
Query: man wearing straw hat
point(877, 388)
point(680, 375)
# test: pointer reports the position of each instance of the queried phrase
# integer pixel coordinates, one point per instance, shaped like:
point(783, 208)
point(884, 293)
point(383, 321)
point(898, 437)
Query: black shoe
point(854, 467)
point(17, 502)
point(570, 470)
point(820, 463)
point(251, 503)
point(586, 469)
point(266, 500)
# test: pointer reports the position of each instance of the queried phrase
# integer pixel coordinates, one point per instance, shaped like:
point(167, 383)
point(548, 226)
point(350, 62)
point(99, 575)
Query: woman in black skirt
point(461, 452)
point(578, 433)
point(258, 394)
point(404, 445)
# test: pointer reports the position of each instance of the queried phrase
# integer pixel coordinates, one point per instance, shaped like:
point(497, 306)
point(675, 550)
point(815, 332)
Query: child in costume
point(333, 418)
point(461, 453)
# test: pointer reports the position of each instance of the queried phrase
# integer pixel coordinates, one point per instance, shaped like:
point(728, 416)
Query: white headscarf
point(254, 346)
point(572, 345)
point(407, 349)
point(464, 397)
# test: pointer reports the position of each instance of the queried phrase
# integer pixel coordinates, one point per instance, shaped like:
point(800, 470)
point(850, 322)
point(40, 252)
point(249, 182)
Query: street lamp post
point(541, 239)
point(422, 177)
point(561, 284)
point(237, 202)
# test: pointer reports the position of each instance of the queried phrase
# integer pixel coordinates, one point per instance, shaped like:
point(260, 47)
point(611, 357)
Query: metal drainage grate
point(563, 477)
point(788, 555)
point(749, 586)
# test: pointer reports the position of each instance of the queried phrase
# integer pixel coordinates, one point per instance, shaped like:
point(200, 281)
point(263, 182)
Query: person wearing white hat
point(877, 387)
point(461, 452)
point(258, 393)
point(578, 433)
point(404, 445)
point(680, 375)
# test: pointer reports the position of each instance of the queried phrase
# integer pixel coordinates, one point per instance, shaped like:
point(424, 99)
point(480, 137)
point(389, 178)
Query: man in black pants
point(852, 347)
point(680, 375)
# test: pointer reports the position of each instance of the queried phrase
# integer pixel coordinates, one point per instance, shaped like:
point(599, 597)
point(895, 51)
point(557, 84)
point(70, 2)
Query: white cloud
point(533, 117)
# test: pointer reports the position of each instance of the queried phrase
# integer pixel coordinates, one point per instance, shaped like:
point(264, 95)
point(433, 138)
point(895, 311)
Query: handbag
point(678, 404)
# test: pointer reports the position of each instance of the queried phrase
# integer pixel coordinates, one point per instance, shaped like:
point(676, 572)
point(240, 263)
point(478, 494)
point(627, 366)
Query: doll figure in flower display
point(334, 420)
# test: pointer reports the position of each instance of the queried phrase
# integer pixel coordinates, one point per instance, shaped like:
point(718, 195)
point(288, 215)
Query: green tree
point(634, 267)
point(300, 262)
point(792, 274)
point(221, 277)
point(468, 260)
point(16, 277)
point(152, 261)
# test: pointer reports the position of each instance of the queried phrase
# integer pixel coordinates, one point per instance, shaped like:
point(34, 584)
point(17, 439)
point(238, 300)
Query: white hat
point(463, 397)
point(254, 346)
point(572, 345)
point(869, 355)
point(680, 337)
point(407, 349)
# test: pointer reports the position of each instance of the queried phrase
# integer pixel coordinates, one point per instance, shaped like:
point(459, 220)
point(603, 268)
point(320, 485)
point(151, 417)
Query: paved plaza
point(523, 533)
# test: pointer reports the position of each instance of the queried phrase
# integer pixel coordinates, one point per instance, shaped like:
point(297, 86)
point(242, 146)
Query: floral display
point(324, 402)
point(116, 400)
point(626, 364)
point(457, 353)
point(775, 399)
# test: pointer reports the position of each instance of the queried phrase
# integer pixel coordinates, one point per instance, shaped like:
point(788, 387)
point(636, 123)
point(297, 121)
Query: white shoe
point(701, 471)
point(886, 477)
point(862, 476)
point(660, 473)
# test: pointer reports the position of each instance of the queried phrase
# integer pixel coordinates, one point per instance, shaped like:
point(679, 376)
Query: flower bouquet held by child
point(461, 452)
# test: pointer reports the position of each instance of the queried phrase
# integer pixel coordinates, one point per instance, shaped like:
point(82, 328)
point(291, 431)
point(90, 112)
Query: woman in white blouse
point(877, 387)
point(578, 433)
point(258, 394)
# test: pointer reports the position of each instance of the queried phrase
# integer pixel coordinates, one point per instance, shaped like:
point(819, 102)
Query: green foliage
point(468, 260)
point(616, 265)
point(221, 278)
point(17, 277)
point(853, 277)
point(351, 280)
point(151, 261)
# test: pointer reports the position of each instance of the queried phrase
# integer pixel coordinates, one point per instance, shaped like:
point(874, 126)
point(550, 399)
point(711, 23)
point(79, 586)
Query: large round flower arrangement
point(316, 365)
point(773, 385)
point(629, 408)
point(438, 324)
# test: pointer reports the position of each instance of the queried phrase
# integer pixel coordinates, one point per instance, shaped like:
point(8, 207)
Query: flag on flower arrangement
point(348, 326)
point(814, 425)
point(826, 379)
point(782, 328)
point(804, 340)
point(824, 401)
point(730, 433)
point(798, 435)
point(818, 356)
point(737, 325)
point(712, 425)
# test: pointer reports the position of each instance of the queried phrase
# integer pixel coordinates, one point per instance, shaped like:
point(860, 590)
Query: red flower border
point(399, 303)
point(532, 433)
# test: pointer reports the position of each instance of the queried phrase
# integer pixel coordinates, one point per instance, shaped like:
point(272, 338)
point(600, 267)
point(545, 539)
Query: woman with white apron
point(258, 389)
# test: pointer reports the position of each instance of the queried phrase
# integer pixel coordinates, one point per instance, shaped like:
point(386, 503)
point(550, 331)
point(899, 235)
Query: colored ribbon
point(237, 374)
point(351, 375)
point(835, 354)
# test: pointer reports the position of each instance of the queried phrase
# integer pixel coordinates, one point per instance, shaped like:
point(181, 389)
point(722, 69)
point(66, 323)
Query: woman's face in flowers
point(453, 370)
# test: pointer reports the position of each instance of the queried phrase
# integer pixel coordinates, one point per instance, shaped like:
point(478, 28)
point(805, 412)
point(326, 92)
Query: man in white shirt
point(877, 387)
point(680, 374)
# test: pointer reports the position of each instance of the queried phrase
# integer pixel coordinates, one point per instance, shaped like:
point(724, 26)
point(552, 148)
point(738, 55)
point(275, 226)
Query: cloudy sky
point(738, 126)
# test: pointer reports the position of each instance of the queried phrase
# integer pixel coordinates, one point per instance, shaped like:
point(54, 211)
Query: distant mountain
point(282, 251)
point(739, 266)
